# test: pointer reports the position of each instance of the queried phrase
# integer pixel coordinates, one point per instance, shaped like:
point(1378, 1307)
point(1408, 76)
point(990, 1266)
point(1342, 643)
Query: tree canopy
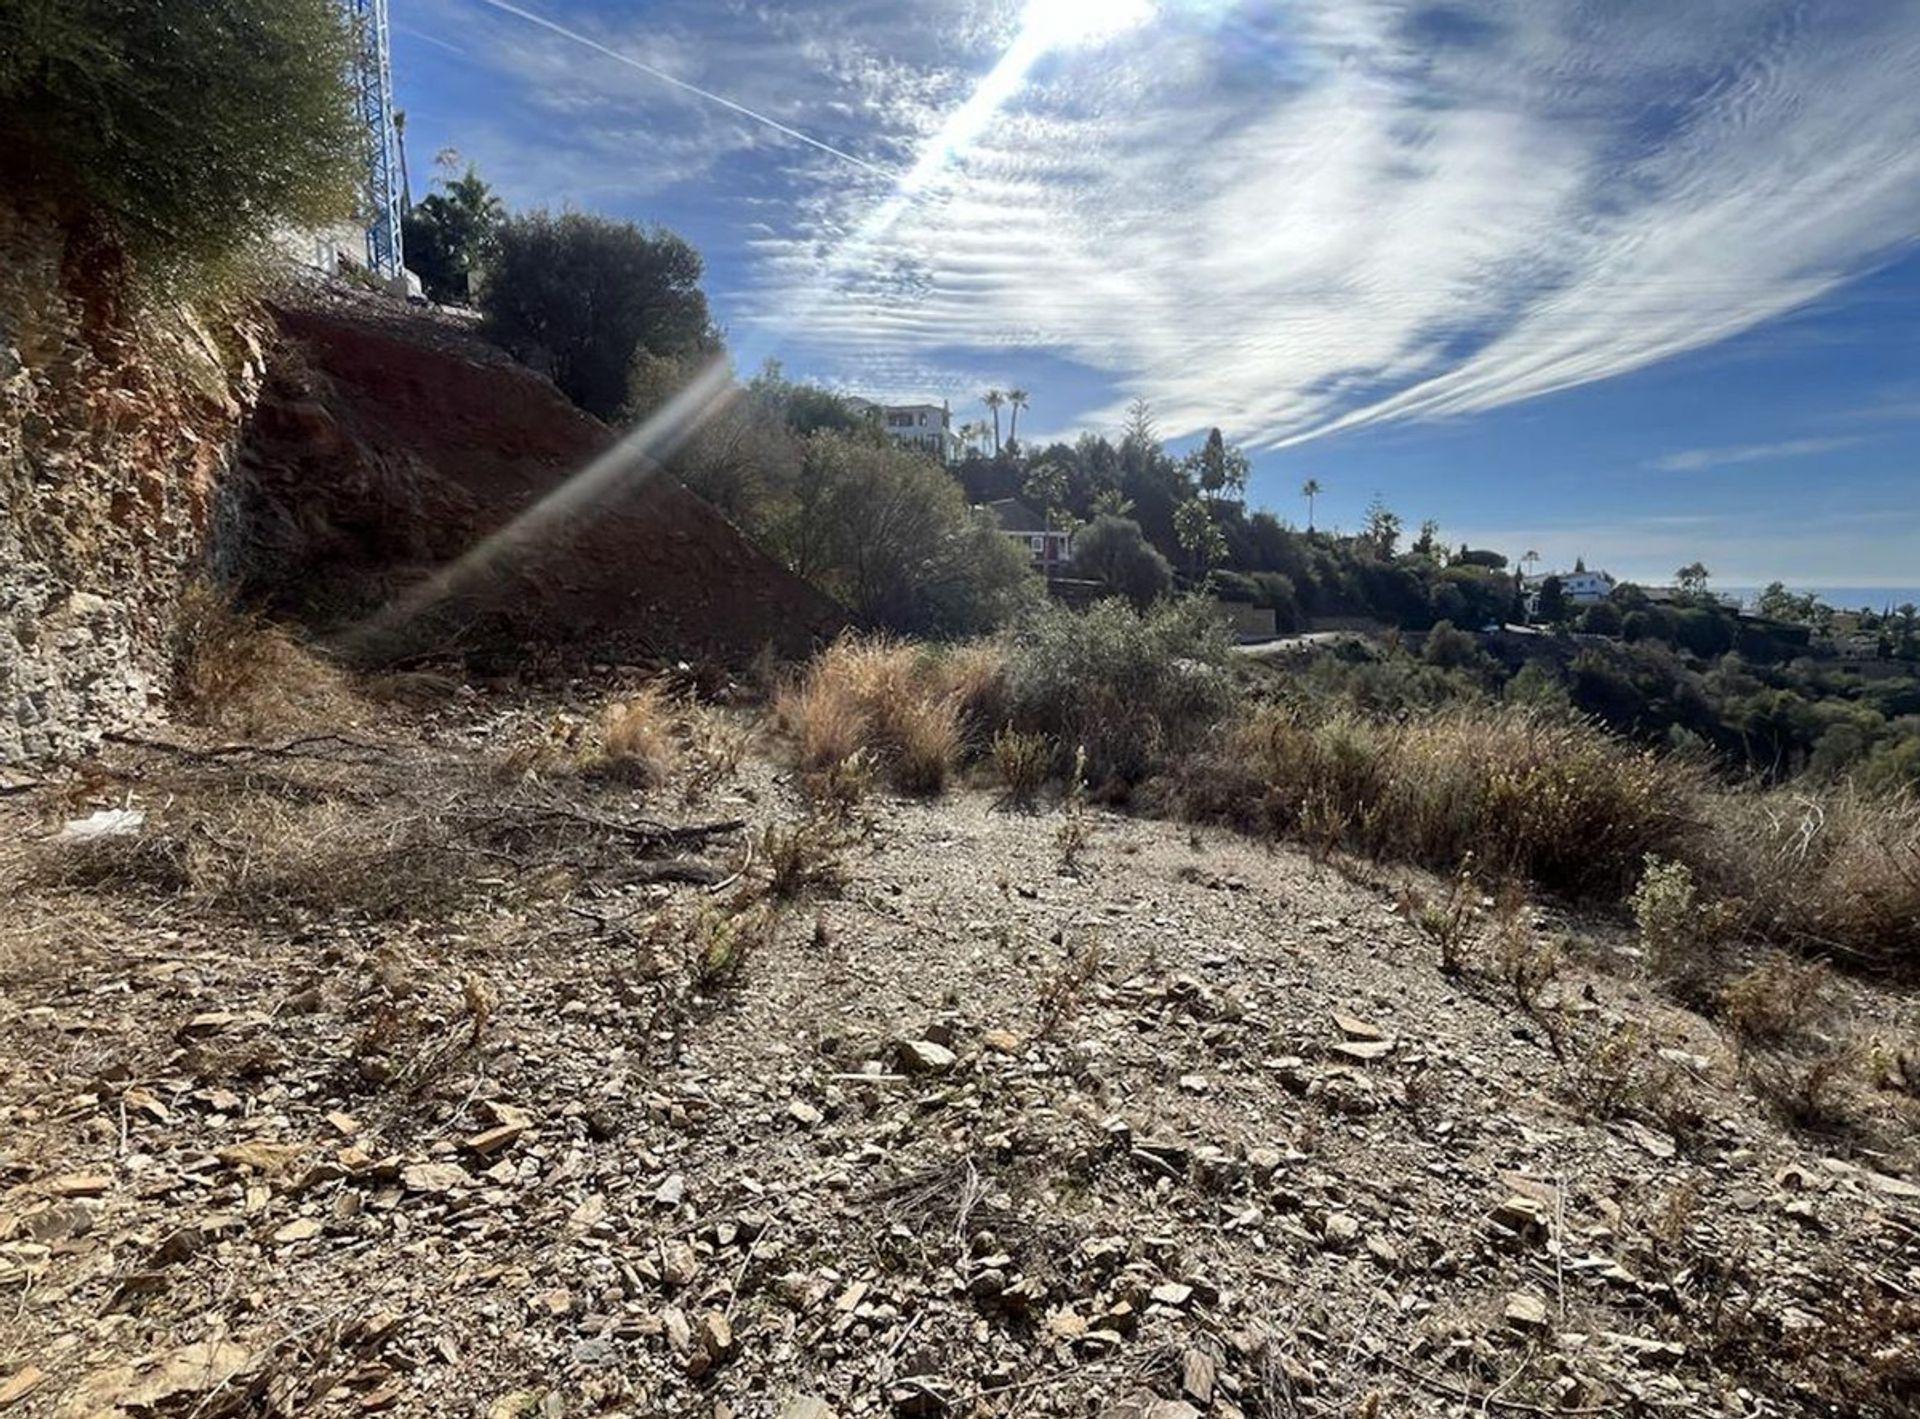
point(580, 296)
point(182, 130)
point(449, 235)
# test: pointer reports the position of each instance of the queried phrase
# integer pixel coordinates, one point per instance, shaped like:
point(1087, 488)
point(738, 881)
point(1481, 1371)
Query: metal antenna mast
point(373, 89)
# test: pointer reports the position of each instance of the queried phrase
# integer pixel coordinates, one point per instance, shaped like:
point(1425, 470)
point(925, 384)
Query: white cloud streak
point(661, 75)
point(1696, 460)
point(1342, 212)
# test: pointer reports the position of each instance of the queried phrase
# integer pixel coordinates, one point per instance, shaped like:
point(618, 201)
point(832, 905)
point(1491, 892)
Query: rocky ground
point(947, 1109)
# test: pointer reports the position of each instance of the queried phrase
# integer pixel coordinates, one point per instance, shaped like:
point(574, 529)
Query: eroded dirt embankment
point(388, 444)
point(327, 461)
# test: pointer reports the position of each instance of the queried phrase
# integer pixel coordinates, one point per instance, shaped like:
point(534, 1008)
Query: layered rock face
point(116, 429)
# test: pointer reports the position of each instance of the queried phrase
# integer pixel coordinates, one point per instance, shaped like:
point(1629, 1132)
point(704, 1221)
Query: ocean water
point(1845, 598)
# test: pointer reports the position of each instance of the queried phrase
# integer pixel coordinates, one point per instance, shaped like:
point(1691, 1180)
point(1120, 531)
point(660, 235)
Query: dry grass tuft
point(263, 855)
point(637, 740)
point(896, 703)
point(1834, 870)
point(238, 672)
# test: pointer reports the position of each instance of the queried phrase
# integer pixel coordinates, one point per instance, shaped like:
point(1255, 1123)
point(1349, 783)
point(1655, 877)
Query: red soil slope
point(391, 443)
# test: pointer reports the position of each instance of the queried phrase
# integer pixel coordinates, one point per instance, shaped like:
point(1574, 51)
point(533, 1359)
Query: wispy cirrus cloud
point(1292, 220)
point(1696, 460)
point(1287, 218)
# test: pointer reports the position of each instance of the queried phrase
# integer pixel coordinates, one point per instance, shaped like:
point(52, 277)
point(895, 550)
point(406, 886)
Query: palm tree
point(1530, 559)
point(1310, 490)
point(1018, 399)
point(993, 399)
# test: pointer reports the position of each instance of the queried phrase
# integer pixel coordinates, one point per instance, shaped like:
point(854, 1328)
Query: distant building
point(1050, 548)
point(922, 426)
point(1579, 587)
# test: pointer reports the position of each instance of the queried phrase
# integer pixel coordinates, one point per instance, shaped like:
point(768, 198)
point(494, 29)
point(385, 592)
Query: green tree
point(579, 296)
point(1199, 537)
point(890, 534)
point(183, 130)
point(1016, 401)
point(1449, 647)
point(1692, 577)
point(1553, 602)
point(1113, 552)
point(1140, 430)
point(1382, 527)
point(1218, 467)
point(1045, 486)
point(1601, 619)
point(450, 234)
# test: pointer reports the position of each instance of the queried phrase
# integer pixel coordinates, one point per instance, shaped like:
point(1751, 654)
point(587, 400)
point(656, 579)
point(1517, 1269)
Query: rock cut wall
point(116, 427)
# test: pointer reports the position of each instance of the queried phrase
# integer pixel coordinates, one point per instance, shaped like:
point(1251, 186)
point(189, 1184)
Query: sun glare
point(1066, 24)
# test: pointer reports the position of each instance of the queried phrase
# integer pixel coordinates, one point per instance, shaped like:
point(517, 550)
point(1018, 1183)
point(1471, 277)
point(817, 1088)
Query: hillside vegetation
point(1149, 706)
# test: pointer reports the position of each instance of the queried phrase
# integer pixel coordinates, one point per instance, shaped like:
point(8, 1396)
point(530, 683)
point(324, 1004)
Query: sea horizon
point(1841, 598)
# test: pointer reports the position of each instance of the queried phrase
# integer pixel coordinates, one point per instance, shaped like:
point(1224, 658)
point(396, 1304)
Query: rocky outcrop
point(115, 429)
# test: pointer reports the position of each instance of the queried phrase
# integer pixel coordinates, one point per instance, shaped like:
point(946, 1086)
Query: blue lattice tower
point(373, 90)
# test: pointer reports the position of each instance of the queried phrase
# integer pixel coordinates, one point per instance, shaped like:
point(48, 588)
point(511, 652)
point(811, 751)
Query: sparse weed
point(1073, 835)
point(804, 858)
point(840, 786)
point(1620, 1074)
point(1063, 991)
point(714, 750)
point(1678, 931)
point(1776, 1002)
point(1022, 762)
point(1448, 923)
point(1817, 1092)
point(721, 940)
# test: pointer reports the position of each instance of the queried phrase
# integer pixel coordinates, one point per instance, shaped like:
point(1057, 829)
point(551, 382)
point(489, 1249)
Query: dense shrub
point(1127, 687)
point(888, 532)
point(1114, 552)
point(180, 129)
point(580, 296)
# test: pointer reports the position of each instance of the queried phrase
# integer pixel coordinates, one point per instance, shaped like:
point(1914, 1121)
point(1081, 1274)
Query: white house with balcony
point(923, 426)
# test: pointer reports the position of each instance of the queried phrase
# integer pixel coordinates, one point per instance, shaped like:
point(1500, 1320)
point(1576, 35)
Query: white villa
point(1580, 587)
point(924, 426)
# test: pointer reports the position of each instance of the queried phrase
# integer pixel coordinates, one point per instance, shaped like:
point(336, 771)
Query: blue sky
point(1633, 280)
